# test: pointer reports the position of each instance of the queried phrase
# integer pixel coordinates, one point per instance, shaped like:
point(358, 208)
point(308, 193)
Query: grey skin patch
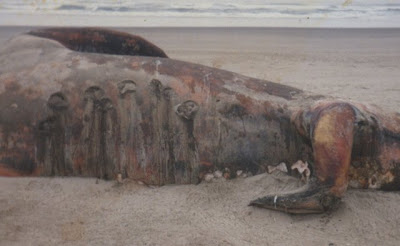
point(157, 87)
point(58, 101)
point(167, 93)
point(94, 93)
point(187, 109)
point(126, 86)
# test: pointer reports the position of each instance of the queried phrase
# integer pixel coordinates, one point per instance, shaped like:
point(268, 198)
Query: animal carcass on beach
point(100, 103)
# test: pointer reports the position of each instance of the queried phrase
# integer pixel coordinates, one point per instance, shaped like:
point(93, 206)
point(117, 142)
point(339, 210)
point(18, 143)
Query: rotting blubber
point(100, 103)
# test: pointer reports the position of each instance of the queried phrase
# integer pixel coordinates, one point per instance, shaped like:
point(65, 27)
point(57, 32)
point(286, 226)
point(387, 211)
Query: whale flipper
point(331, 133)
point(309, 200)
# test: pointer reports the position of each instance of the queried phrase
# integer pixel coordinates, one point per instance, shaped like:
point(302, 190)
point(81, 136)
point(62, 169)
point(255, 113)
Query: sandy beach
point(354, 64)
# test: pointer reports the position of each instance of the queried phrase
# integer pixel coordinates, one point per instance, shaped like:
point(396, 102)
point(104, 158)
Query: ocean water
point(340, 13)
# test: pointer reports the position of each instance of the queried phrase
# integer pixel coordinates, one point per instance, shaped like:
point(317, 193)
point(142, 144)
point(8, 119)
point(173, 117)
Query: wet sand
point(354, 64)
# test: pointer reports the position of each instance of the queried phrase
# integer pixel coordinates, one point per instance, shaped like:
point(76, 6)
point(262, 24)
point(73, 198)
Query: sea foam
point(383, 13)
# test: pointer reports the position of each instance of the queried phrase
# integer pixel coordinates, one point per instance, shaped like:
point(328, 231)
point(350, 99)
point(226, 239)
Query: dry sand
point(361, 65)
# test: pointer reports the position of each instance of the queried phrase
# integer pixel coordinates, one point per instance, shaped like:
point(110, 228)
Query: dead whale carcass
point(70, 106)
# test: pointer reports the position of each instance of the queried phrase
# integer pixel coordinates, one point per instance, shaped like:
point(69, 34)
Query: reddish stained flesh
point(8, 172)
point(140, 135)
point(332, 144)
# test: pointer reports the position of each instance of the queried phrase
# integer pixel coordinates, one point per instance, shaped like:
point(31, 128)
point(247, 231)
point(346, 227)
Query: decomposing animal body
point(99, 103)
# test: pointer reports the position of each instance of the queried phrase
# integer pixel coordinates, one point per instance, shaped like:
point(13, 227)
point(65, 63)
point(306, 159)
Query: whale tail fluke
point(310, 200)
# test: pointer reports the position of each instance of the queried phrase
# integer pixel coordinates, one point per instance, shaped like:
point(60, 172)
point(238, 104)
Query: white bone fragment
point(208, 177)
point(218, 174)
point(302, 168)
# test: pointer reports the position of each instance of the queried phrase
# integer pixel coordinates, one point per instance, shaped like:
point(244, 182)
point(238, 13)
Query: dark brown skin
point(164, 121)
point(99, 40)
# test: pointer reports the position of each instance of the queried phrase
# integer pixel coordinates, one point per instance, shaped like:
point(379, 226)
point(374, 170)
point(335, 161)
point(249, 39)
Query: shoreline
point(110, 20)
point(211, 27)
